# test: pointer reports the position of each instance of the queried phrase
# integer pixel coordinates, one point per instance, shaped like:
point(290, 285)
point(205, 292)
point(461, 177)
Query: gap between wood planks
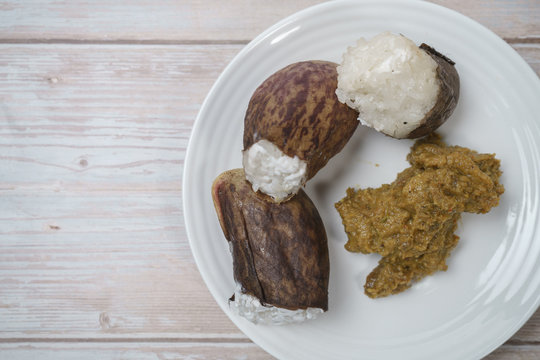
point(519, 40)
point(223, 340)
point(123, 42)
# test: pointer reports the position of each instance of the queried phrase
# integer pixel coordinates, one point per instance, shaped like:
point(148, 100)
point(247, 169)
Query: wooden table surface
point(97, 101)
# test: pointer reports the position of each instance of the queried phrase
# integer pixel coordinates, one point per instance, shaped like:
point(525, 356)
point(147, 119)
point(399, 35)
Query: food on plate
point(279, 250)
point(411, 222)
point(293, 125)
point(399, 89)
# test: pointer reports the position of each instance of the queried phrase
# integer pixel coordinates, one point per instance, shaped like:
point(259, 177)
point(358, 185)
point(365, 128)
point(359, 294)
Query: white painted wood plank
point(89, 265)
point(510, 19)
point(107, 20)
point(196, 20)
point(101, 117)
point(133, 351)
point(183, 351)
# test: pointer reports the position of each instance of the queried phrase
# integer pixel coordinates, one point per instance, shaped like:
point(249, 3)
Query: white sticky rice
point(390, 81)
point(251, 308)
point(272, 172)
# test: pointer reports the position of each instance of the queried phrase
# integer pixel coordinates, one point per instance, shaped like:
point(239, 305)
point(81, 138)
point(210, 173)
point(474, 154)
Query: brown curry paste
point(411, 222)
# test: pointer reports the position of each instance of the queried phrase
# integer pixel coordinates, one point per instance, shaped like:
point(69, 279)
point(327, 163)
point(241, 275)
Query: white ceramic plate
point(492, 285)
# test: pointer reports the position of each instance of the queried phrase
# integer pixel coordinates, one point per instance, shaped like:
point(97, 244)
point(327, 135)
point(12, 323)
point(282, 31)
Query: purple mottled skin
point(297, 109)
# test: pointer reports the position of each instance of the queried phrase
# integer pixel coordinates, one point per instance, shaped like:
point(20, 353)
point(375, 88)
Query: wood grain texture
point(510, 352)
point(101, 117)
point(133, 351)
point(97, 101)
point(197, 20)
point(92, 265)
point(162, 20)
point(514, 21)
point(531, 54)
